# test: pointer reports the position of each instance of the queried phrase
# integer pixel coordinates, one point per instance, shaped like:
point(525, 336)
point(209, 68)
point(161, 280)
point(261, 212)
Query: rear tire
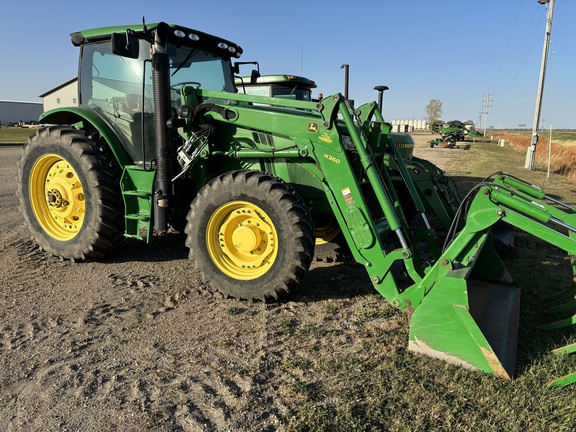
point(250, 235)
point(69, 193)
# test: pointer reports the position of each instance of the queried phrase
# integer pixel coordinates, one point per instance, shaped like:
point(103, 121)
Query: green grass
point(560, 136)
point(15, 135)
point(373, 383)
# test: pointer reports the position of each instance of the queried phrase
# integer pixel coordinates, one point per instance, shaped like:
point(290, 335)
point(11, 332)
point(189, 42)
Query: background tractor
point(454, 130)
point(451, 133)
point(161, 132)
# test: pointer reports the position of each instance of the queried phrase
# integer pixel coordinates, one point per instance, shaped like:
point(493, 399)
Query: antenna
point(302, 60)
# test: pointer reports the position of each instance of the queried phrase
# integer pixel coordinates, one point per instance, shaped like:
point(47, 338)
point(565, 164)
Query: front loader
point(160, 131)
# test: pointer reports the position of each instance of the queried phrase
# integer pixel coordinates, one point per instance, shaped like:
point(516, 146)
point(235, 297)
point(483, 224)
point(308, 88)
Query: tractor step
point(137, 186)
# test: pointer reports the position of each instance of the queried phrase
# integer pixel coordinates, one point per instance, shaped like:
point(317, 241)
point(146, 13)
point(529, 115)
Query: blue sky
point(457, 51)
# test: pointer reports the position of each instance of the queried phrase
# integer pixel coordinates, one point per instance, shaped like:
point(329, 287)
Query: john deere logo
point(312, 127)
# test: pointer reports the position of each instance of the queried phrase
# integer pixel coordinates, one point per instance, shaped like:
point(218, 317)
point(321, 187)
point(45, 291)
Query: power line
point(507, 44)
point(521, 55)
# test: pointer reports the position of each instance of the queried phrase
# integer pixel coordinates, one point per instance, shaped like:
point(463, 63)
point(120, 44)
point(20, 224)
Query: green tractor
point(450, 133)
point(278, 86)
point(454, 130)
point(161, 131)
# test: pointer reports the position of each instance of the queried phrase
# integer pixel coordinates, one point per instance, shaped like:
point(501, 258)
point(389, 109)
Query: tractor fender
point(87, 116)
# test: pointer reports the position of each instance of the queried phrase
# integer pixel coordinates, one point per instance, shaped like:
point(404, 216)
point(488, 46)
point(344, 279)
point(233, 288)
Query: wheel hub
point(54, 198)
point(57, 197)
point(244, 244)
point(246, 239)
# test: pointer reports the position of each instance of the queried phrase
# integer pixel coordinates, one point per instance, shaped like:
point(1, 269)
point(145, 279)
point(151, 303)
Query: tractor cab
point(279, 86)
point(120, 88)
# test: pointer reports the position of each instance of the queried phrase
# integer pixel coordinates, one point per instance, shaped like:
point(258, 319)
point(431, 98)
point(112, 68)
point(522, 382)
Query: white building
point(409, 125)
point(66, 94)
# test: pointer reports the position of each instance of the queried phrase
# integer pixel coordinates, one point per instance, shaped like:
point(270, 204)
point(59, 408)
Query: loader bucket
point(469, 323)
point(466, 320)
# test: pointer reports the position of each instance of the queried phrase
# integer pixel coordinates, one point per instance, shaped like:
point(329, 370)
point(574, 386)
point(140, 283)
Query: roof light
point(179, 33)
point(232, 49)
point(193, 37)
point(223, 45)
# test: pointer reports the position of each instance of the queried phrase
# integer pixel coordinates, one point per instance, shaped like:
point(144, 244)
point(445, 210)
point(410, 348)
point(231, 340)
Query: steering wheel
point(192, 83)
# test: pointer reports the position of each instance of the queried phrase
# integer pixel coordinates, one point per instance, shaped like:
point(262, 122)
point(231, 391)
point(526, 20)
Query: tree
point(434, 111)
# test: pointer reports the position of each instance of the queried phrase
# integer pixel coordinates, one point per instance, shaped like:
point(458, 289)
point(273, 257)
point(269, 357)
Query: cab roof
point(179, 35)
point(277, 79)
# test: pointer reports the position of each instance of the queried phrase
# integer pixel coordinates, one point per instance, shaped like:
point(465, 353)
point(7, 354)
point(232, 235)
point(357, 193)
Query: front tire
point(250, 236)
point(69, 194)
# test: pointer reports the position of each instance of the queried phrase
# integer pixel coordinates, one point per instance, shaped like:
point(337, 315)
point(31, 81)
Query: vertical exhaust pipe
point(380, 89)
point(161, 85)
point(346, 79)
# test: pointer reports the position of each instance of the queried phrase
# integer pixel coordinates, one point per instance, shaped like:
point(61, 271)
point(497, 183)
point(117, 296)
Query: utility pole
point(534, 140)
point(486, 105)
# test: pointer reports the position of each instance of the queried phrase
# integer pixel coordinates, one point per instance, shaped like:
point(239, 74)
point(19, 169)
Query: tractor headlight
point(183, 111)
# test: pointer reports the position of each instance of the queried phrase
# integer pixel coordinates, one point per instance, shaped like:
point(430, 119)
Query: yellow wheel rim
point(327, 232)
point(242, 240)
point(57, 197)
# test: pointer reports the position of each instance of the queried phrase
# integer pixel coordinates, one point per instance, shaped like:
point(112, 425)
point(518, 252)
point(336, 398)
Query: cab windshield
point(191, 65)
point(292, 93)
point(120, 88)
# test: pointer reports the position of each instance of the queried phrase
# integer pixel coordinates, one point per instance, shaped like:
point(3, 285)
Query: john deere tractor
point(450, 133)
point(160, 130)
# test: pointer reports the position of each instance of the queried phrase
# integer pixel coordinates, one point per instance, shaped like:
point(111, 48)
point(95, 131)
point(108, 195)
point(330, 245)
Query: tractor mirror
point(254, 76)
point(125, 45)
